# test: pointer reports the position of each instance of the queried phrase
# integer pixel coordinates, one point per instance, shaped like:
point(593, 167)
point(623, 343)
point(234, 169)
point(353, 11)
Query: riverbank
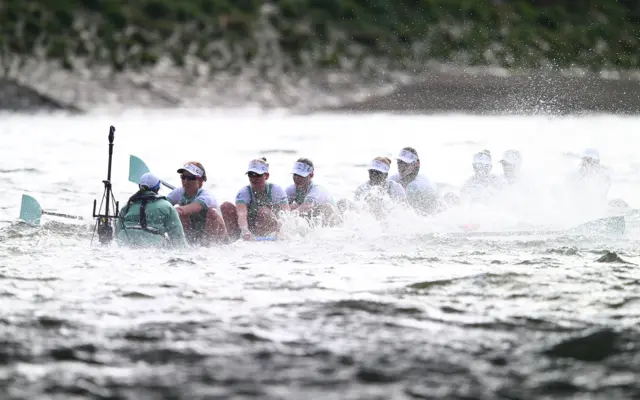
point(493, 93)
point(443, 90)
point(17, 97)
point(216, 53)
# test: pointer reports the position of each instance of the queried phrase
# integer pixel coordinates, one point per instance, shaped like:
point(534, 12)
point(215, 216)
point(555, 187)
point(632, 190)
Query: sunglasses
point(254, 175)
point(188, 177)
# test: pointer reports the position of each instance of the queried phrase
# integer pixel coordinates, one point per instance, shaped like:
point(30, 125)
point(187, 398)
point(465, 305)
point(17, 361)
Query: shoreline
point(439, 92)
point(20, 98)
point(534, 93)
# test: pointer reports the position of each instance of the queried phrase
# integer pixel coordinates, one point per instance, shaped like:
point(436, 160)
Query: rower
point(592, 180)
point(421, 193)
point(511, 166)
point(307, 198)
point(483, 184)
point(197, 207)
point(258, 205)
point(379, 192)
point(149, 219)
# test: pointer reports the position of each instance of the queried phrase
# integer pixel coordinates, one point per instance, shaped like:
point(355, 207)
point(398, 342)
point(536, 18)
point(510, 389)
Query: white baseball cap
point(378, 165)
point(302, 169)
point(512, 157)
point(258, 166)
point(150, 181)
point(407, 156)
point(482, 158)
point(590, 153)
point(193, 169)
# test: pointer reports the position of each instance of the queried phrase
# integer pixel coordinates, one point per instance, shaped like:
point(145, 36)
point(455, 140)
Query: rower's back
point(149, 220)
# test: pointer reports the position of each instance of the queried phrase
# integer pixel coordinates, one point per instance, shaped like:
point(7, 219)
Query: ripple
point(344, 307)
point(588, 346)
point(610, 257)
point(86, 353)
point(14, 170)
point(28, 278)
point(174, 262)
point(136, 295)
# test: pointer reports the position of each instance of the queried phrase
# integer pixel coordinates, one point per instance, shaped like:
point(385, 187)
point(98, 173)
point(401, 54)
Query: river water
point(369, 310)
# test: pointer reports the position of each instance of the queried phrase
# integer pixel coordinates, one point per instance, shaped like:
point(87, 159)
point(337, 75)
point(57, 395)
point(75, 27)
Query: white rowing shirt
point(391, 188)
point(421, 192)
point(481, 189)
point(315, 195)
point(203, 196)
point(276, 196)
point(593, 184)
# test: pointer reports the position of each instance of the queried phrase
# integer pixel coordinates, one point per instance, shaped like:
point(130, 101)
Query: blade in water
point(269, 238)
point(30, 210)
point(137, 168)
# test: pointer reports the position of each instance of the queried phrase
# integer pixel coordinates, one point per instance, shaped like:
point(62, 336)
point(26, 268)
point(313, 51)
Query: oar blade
point(268, 238)
point(137, 168)
point(30, 210)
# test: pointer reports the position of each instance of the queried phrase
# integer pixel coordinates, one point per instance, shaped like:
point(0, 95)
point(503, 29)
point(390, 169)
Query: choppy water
point(366, 311)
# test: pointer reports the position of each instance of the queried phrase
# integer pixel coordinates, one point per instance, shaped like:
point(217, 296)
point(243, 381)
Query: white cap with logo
point(482, 158)
point(590, 153)
point(302, 169)
point(258, 166)
point(193, 169)
point(150, 181)
point(407, 156)
point(377, 165)
point(512, 157)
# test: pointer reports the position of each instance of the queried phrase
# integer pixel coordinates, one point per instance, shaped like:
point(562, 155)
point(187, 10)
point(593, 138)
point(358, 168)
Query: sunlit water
point(369, 310)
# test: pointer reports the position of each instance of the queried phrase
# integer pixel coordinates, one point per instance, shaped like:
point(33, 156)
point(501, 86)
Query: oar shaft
point(62, 215)
point(170, 186)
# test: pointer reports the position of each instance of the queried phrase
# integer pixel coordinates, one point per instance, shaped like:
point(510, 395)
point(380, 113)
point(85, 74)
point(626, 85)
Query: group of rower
point(191, 214)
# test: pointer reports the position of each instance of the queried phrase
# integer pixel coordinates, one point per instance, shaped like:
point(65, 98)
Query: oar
point(30, 211)
point(137, 168)
point(602, 226)
point(270, 238)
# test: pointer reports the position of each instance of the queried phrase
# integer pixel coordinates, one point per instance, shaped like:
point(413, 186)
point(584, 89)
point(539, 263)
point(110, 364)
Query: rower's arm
point(280, 198)
point(192, 208)
point(243, 224)
point(174, 229)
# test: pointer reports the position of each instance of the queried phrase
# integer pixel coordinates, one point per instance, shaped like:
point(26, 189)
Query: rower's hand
point(180, 211)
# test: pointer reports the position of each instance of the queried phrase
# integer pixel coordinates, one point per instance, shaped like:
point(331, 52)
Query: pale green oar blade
point(30, 210)
point(137, 168)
